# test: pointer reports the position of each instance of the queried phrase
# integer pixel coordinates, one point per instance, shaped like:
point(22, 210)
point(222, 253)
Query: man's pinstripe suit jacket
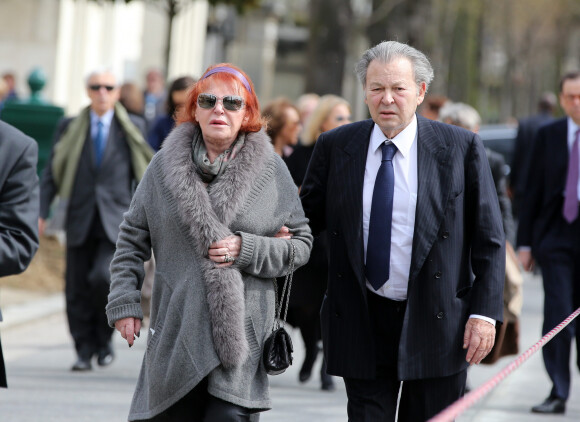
point(458, 255)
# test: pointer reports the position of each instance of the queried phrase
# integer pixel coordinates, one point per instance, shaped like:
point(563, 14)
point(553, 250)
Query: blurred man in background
point(96, 160)
point(527, 131)
point(549, 234)
point(154, 95)
point(10, 80)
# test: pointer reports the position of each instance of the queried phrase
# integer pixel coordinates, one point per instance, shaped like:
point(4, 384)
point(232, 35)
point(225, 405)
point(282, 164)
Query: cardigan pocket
point(153, 340)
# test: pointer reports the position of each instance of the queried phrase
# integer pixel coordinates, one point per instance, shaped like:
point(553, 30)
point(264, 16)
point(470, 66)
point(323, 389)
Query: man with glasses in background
point(549, 234)
point(96, 160)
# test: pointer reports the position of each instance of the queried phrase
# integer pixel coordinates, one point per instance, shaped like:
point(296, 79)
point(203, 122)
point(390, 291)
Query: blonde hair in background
point(306, 104)
point(312, 129)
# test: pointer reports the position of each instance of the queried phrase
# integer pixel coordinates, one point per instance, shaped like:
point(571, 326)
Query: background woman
point(175, 100)
point(310, 281)
point(283, 125)
point(210, 205)
point(131, 97)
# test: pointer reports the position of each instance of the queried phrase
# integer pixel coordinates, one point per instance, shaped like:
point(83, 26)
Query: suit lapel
point(433, 192)
point(561, 148)
point(351, 162)
point(90, 156)
point(556, 159)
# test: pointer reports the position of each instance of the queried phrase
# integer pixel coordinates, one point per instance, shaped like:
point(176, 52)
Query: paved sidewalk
point(510, 401)
point(39, 353)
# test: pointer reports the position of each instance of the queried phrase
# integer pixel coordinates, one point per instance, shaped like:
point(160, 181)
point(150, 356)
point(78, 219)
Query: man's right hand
point(526, 259)
point(41, 226)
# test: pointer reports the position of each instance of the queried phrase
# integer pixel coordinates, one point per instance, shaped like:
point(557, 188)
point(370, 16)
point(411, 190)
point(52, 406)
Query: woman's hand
point(224, 252)
point(129, 329)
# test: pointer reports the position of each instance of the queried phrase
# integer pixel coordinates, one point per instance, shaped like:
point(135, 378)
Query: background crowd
point(144, 117)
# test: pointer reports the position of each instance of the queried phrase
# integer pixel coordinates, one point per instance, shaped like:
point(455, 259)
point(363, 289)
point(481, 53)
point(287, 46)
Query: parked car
point(500, 138)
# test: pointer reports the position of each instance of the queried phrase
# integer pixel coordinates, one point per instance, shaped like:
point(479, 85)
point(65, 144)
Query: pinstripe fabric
point(458, 222)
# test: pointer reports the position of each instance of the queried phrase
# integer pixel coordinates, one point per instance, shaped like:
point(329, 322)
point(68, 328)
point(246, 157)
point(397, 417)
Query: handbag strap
point(285, 290)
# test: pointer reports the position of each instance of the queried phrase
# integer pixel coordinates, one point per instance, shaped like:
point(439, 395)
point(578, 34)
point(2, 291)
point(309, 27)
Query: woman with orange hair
point(211, 206)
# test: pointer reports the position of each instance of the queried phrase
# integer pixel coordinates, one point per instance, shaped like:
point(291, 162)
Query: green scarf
point(67, 151)
point(211, 171)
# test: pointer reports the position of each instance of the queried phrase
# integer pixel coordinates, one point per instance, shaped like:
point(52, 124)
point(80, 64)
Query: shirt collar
point(403, 141)
point(105, 118)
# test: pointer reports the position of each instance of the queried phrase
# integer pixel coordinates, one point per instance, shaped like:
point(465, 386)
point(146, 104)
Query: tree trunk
point(172, 11)
point(327, 46)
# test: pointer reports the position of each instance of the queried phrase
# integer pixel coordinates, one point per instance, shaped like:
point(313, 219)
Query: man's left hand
point(284, 233)
point(478, 339)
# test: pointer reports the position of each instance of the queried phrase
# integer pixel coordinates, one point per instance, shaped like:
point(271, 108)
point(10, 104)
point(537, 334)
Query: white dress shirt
point(404, 207)
point(404, 204)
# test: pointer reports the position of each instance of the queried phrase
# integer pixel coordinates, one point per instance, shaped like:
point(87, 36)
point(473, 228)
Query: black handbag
point(277, 354)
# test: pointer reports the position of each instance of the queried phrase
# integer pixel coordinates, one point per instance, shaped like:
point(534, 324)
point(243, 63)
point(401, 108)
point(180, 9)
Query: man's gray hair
point(388, 51)
point(101, 70)
point(460, 114)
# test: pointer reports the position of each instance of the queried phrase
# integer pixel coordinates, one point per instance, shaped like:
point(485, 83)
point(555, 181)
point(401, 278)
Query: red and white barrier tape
point(457, 408)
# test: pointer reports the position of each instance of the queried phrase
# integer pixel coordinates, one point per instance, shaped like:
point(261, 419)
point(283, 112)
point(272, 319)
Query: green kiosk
point(35, 116)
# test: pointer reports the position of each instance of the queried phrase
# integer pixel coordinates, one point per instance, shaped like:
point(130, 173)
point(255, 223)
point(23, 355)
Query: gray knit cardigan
point(206, 321)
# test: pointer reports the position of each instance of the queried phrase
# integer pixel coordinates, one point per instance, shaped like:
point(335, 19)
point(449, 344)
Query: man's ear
point(421, 93)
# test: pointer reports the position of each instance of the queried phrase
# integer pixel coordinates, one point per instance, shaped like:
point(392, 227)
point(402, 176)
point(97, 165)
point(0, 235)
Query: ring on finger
point(228, 258)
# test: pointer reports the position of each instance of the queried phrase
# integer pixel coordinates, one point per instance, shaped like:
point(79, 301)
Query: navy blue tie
point(379, 241)
point(99, 143)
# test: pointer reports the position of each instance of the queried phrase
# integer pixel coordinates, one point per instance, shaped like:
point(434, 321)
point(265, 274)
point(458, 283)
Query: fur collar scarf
point(205, 217)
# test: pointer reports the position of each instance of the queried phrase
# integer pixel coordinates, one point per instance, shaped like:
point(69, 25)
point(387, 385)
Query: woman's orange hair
point(254, 121)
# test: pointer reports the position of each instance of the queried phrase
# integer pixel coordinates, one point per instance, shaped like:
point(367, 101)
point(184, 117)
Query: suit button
point(445, 235)
point(339, 275)
point(438, 274)
point(440, 315)
point(335, 233)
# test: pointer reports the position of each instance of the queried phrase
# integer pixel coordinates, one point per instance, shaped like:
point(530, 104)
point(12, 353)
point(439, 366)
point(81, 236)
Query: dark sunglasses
point(98, 87)
point(230, 102)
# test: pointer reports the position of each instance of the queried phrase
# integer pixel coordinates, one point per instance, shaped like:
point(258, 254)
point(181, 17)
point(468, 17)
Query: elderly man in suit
point(18, 206)
point(549, 233)
point(416, 246)
point(96, 160)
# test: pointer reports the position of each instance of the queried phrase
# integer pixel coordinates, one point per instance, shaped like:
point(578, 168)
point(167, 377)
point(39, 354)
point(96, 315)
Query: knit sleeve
point(267, 257)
